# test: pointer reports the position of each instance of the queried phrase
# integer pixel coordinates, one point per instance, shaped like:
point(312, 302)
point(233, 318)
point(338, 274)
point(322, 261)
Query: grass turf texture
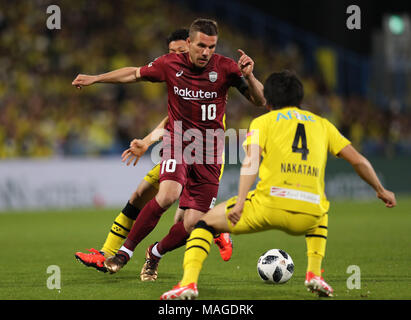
point(365, 234)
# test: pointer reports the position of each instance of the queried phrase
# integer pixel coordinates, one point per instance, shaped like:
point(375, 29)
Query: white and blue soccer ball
point(275, 266)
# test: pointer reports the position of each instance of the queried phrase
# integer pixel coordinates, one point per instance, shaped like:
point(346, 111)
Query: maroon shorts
point(200, 183)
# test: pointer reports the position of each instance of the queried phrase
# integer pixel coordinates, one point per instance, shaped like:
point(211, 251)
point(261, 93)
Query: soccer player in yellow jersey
point(290, 194)
point(146, 190)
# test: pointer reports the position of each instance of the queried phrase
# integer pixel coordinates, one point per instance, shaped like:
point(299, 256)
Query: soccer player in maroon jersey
point(197, 84)
point(146, 190)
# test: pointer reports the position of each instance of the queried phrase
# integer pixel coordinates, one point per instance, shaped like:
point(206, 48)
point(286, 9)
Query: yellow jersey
point(295, 144)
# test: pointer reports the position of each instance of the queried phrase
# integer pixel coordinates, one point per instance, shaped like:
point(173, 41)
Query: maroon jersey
point(196, 100)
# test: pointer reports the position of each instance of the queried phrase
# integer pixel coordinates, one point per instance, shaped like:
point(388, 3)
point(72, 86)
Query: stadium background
point(60, 147)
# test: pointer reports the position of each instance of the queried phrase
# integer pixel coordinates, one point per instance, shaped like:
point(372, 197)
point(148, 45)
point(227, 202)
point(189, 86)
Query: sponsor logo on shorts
point(295, 195)
point(213, 203)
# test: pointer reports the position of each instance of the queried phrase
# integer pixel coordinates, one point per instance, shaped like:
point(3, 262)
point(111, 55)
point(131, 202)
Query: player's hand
point(128, 156)
point(235, 214)
point(137, 149)
point(388, 197)
point(83, 80)
point(245, 63)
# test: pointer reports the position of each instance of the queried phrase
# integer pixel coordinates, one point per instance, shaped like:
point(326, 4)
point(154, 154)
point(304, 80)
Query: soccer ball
point(275, 266)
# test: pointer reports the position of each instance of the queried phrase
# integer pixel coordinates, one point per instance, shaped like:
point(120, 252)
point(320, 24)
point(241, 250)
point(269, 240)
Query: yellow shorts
point(153, 176)
point(221, 171)
point(256, 217)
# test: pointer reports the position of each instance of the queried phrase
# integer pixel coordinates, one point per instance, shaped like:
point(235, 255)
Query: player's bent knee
point(136, 200)
point(168, 193)
point(179, 215)
point(142, 195)
point(135, 196)
point(204, 225)
point(216, 218)
point(166, 199)
point(191, 218)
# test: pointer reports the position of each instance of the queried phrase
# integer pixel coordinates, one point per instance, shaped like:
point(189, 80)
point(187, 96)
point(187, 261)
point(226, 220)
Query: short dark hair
point(206, 26)
point(283, 89)
point(179, 34)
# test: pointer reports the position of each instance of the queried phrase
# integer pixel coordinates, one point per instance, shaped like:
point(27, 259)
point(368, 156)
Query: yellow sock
point(118, 233)
point(316, 241)
point(314, 264)
point(197, 249)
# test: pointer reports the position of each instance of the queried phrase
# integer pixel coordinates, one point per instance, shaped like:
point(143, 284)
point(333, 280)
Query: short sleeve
point(155, 71)
point(234, 75)
point(336, 141)
point(257, 134)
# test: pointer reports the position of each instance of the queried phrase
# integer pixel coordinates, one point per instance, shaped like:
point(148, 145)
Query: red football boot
point(225, 244)
point(188, 292)
point(317, 285)
point(94, 259)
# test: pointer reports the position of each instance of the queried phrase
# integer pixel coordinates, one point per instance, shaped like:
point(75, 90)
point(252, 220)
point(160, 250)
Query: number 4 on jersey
point(300, 135)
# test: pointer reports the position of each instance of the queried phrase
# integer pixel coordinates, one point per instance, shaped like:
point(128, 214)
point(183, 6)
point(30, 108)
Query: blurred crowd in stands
point(42, 115)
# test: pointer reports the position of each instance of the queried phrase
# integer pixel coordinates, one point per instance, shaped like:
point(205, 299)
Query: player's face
point(178, 46)
point(201, 48)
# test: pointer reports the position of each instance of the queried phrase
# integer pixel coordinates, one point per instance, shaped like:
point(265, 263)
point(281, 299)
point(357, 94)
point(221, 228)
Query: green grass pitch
point(364, 234)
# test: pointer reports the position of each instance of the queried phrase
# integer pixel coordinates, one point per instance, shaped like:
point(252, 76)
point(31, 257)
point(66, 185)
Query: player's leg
point(177, 235)
point(222, 240)
point(315, 229)
point(149, 216)
point(146, 221)
point(179, 215)
point(316, 240)
point(197, 198)
point(172, 180)
point(120, 228)
point(210, 177)
point(199, 242)
point(125, 219)
point(123, 222)
point(149, 272)
point(197, 250)
point(255, 217)
point(175, 238)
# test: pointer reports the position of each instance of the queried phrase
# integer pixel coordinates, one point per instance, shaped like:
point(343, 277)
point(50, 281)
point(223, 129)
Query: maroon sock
point(122, 254)
point(144, 224)
point(175, 238)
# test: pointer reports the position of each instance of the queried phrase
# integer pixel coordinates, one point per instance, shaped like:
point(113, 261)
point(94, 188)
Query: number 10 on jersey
point(208, 112)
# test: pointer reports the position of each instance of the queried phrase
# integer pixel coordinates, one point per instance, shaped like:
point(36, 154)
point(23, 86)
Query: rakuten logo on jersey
point(188, 94)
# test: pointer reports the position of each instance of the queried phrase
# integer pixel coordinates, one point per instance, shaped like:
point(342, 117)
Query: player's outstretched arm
point(248, 175)
point(123, 75)
point(157, 134)
point(366, 171)
point(139, 146)
point(255, 91)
